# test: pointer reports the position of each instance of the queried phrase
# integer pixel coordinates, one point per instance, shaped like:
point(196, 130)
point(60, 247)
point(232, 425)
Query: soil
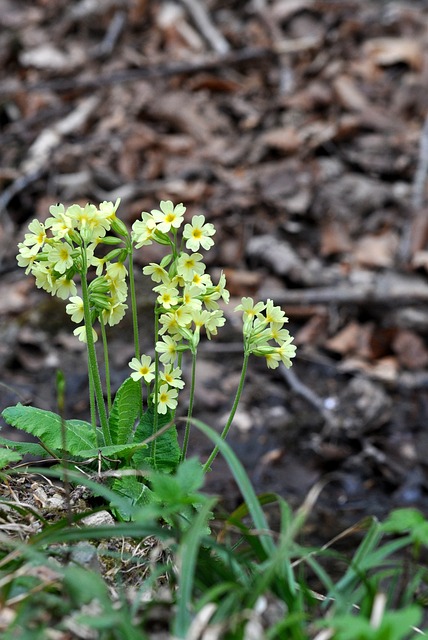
point(298, 129)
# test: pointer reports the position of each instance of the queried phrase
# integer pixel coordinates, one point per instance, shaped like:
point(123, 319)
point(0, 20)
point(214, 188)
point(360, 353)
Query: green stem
point(228, 424)
point(133, 302)
point(190, 409)
point(92, 403)
point(92, 356)
point(106, 362)
point(156, 390)
point(134, 312)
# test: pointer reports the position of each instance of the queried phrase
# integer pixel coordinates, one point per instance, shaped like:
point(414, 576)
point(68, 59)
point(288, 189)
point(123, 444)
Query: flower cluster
point(186, 299)
point(55, 251)
point(264, 333)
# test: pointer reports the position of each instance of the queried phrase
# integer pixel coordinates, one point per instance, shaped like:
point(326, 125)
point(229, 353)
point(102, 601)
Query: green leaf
point(114, 451)
point(402, 520)
point(165, 448)
point(243, 483)
point(30, 448)
point(46, 426)
point(83, 585)
point(125, 411)
point(7, 456)
point(188, 554)
point(134, 492)
point(181, 487)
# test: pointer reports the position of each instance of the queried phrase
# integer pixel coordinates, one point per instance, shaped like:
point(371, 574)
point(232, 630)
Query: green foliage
point(164, 450)
point(47, 427)
point(125, 411)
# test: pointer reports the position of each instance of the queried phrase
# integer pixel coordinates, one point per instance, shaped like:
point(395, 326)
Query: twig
point(115, 28)
point(19, 185)
point(310, 396)
point(202, 20)
point(150, 71)
point(36, 162)
point(386, 289)
point(421, 170)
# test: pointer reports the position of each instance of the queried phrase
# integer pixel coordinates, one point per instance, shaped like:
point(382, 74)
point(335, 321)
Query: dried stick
point(203, 22)
point(150, 71)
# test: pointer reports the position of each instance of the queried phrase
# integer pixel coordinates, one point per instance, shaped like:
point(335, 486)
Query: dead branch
point(150, 71)
point(203, 22)
point(388, 289)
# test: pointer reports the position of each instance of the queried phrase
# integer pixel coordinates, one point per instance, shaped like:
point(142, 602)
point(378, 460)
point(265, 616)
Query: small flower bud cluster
point(264, 333)
point(55, 251)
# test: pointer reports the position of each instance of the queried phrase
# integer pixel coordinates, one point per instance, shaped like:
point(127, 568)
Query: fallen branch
point(150, 71)
point(388, 289)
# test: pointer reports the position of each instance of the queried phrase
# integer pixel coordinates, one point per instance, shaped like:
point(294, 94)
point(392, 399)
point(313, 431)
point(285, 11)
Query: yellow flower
point(143, 368)
point(80, 333)
point(60, 256)
point(189, 265)
point(274, 314)
point(167, 347)
point(168, 295)
point(37, 238)
point(198, 234)
point(75, 308)
point(143, 230)
point(25, 257)
point(64, 287)
point(60, 224)
point(157, 273)
point(169, 216)
point(167, 399)
point(172, 377)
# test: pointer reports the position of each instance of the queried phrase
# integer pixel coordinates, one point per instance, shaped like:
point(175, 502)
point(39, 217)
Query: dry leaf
point(377, 250)
point(390, 51)
point(410, 349)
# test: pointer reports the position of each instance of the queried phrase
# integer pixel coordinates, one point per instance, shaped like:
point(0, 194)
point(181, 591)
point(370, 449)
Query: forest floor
point(296, 127)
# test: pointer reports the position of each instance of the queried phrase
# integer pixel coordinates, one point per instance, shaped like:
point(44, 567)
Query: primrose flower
point(64, 287)
point(278, 333)
point(168, 349)
point(143, 230)
point(143, 368)
point(167, 399)
point(215, 321)
point(157, 273)
point(273, 360)
point(60, 224)
point(286, 351)
point(189, 265)
point(170, 325)
point(220, 288)
point(115, 312)
point(169, 216)
point(25, 257)
point(172, 377)
point(116, 273)
point(198, 234)
point(249, 309)
point(37, 238)
point(80, 333)
point(108, 209)
point(91, 224)
point(168, 295)
point(75, 308)
point(44, 278)
point(60, 255)
point(274, 314)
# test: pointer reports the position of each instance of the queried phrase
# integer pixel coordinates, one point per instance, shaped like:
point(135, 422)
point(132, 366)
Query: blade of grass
point(187, 554)
point(243, 483)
